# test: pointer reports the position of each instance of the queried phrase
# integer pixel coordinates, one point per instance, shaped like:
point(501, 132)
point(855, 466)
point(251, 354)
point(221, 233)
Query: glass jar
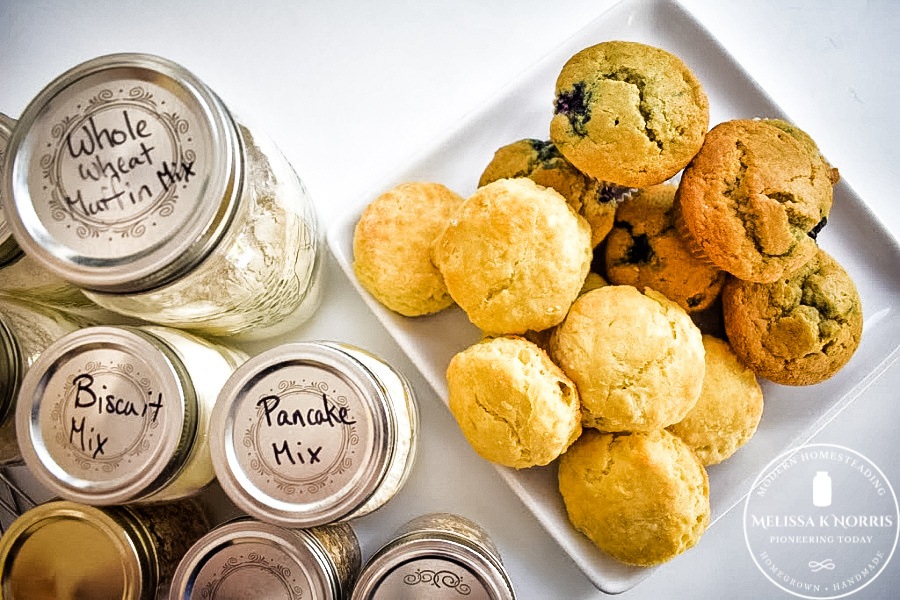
point(129, 178)
point(248, 559)
point(310, 433)
point(26, 329)
point(64, 550)
point(112, 415)
point(438, 556)
point(21, 275)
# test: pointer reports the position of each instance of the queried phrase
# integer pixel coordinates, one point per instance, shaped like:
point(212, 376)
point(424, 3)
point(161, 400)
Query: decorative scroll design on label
point(253, 560)
point(115, 166)
point(302, 437)
point(438, 579)
point(99, 423)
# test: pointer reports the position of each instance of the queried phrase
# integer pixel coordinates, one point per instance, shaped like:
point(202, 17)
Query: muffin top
point(628, 113)
point(754, 198)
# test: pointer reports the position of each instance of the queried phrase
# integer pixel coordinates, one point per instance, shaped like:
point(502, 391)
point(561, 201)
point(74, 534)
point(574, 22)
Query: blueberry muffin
point(541, 162)
point(643, 498)
point(645, 250)
point(799, 330)
point(637, 359)
point(729, 408)
point(754, 199)
point(391, 245)
point(514, 406)
point(514, 256)
point(628, 113)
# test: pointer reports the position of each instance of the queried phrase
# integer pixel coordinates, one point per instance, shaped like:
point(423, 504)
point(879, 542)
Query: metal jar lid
point(106, 415)
point(304, 435)
point(11, 369)
point(433, 565)
point(67, 550)
point(122, 173)
point(9, 249)
point(249, 559)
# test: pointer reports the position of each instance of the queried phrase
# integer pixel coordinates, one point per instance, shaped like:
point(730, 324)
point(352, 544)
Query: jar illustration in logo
point(129, 178)
point(822, 489)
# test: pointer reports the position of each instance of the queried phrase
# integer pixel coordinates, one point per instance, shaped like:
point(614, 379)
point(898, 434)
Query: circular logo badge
point(821, 521)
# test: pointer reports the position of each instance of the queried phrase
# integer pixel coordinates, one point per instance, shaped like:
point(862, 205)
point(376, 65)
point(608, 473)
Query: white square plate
point(524, 109)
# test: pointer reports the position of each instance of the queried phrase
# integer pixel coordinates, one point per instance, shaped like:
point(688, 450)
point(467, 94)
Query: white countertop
point(351, 90)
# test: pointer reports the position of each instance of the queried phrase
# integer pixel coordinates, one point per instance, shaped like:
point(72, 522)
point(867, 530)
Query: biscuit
point(643, 498)
point(637, 359)
point(729, 408)
point(644, 250)
point(391, 245)
point(799, 330)
point(542, 338)
point(514, 256)
point(754, 199)
point(514, 406)
point(628, 113)
point(542, 162)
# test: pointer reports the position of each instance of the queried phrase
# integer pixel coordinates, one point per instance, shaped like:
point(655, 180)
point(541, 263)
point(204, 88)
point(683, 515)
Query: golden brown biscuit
point(514, 256)
point(543, 163)
point(392, 242)
point(642, 498)
point(754, 199)
point(729, 408)
point(628, 113)
point(637, 359)
point(514, 406)
point(644, 250)
point(799, 330)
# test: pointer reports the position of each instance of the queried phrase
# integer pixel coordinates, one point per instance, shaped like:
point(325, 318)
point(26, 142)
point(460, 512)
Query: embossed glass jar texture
point(114, 415)
point(21, 275)
point(129, 177)
point(26, 329)
point(439, 556)
point(64, 550)
point(250, 559)
point(310, 433)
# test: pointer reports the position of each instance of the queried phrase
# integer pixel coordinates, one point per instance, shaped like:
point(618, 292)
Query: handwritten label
point(107, 416)
point(326, 415)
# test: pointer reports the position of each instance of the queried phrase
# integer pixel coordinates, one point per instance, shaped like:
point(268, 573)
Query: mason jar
point(439, 556)
point(21, 275)
point(63, 550)
point(26, 329)
point(128, 177)
point(114, 415)
point(310, 433)
point(246, 558)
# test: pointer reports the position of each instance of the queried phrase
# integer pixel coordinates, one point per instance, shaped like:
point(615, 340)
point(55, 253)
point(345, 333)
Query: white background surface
point(352, 90)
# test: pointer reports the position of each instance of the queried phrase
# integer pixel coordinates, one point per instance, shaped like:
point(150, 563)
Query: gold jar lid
point(250, 559)
point(65, 551)
point(123, 173)
point(304, 435)
point(106, 415)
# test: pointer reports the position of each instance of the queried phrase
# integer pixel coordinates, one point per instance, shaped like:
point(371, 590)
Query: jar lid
point(249, 559)
point(304, 435)
point(433, 565)
point(11, 369)
point(122, 173)
point(42, 555)
point(105, 415)
point(9, 249)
